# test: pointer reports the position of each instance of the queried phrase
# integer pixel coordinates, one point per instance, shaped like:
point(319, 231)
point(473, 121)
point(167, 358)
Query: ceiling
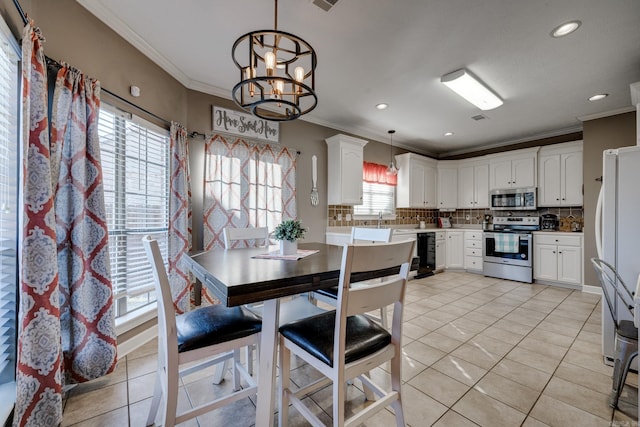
point(373, 51)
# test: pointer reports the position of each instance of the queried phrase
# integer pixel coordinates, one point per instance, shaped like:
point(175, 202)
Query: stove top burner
point(516, 224)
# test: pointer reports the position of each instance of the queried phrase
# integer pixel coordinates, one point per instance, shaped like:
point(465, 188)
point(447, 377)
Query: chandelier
point(277, 74)
point(392, 169)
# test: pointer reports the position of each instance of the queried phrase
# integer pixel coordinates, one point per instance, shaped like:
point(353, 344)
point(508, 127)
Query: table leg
point(267, 364)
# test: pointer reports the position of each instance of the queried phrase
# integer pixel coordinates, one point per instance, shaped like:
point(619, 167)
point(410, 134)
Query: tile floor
point(478, 351)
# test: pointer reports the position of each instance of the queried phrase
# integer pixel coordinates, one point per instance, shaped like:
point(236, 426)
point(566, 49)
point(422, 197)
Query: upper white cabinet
point(560, 175)
point(447, 184)
point(417, 178)
point(473, 184)
point(344, 180)
point(516, 169)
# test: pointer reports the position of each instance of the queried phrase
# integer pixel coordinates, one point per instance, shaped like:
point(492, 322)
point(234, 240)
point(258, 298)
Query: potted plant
point(288, 232)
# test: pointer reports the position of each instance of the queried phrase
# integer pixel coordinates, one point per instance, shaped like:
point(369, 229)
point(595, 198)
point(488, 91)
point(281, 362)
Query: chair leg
point(285, 366)
point(234, 372)
point(249, 356)
point(339, 397)
point(383, 317)
point(368, 393)
point(625, 354)
point(221, 368)
point(396, 385)
point(171, 399)
point(155, 401)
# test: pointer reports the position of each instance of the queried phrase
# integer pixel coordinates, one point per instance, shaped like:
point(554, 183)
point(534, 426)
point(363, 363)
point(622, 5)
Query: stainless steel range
point(508, 249)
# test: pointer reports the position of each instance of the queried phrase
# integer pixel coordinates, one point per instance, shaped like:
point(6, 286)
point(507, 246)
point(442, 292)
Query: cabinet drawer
point(473, 252)
point(474, 244)
point(547, 239)
point(473, 235)
point(440, 235)
point(473, 262)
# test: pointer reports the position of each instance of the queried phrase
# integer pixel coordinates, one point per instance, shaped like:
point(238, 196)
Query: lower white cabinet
point(473, 251)
point(455, 249)
point(441, 250)
point(558, 258)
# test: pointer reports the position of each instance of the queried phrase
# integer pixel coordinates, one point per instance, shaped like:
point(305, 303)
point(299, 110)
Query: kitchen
point(170, 98)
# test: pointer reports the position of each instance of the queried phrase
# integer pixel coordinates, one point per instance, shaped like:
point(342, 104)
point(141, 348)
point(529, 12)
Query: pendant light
point(392, 169)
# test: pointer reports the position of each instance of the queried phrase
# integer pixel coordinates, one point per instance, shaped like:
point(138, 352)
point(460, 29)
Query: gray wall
point(599, 135)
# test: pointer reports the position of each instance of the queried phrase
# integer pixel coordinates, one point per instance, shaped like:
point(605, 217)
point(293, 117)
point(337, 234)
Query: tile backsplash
point(337, 215)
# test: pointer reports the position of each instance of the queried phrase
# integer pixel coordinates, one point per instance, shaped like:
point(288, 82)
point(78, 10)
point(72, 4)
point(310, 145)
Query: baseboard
point(136, 341)
point(592, 289)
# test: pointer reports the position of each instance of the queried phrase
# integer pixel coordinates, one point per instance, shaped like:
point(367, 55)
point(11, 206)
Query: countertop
point(407, 229)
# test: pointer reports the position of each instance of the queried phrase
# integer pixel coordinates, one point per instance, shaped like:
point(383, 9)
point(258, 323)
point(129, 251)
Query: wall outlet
point(348, 217)
point(467, 217)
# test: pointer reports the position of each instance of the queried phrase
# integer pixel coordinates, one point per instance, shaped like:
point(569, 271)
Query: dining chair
point(359, 235)
point(344, 344)
point(207, 335)
point(251, 236)
point(618, 296)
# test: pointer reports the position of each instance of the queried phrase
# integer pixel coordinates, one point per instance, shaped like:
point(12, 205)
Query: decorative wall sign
point(246, 125)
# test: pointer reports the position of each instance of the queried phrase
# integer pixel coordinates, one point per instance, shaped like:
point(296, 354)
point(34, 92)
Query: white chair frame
point(170, 360)
point(232, 235)
point(353, 300)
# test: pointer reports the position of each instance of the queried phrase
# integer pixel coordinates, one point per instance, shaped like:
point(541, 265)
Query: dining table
point(237, 277)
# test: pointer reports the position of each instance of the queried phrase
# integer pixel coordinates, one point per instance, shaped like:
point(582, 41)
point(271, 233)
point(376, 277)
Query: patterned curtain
point(39, 372)
point(180, 219)
point(246, 185)
point(86, 304)
point(375, 173)
point(66, 323)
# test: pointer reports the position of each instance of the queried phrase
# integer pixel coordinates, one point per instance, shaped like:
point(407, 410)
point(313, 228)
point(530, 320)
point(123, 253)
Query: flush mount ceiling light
point(448, 134)
point(565, 29)
point(598, 97)
point(392, 169)
point(472, 89)
point(382, 106)
point(277, 74)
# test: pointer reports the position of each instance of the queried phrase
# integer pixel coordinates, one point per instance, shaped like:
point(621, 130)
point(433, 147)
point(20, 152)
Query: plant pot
point(288, 248)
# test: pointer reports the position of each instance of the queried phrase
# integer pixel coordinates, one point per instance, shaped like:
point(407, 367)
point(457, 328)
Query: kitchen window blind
point(9, 215)
point(135, 164)
point(376, 198)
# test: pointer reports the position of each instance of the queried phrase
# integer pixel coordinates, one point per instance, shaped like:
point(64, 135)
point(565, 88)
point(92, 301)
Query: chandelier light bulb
point(270, 62)
point(299, 74)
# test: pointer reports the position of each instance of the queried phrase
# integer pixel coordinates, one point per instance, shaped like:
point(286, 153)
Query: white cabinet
point(441, 250)
point(417, 177)
point(514, 170)
point(447, 185)
point(455, 249)
point(344, 179)
point(473, 250)
point(560, 175)
point(473, 185)
point(558, 258)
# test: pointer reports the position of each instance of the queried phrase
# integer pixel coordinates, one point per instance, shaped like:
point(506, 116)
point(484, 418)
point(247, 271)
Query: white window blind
point(9, 215)
point(135, 164)
point(376, 198)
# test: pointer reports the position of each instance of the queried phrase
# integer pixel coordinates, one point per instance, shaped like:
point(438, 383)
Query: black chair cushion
point(628, 330)
point(315, 335)
point(213, 325)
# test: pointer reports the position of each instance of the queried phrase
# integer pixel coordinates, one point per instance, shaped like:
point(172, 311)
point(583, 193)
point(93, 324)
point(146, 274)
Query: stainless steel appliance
point(549, 222)
point(508, 249)
point(513, 199)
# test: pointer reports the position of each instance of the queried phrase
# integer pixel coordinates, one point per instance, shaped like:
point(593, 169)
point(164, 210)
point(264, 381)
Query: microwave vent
point(479, 117)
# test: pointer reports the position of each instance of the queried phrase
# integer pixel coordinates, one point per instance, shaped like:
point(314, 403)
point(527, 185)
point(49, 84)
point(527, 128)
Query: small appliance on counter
point(444, 222)
point(486, 223)
point(549, 222)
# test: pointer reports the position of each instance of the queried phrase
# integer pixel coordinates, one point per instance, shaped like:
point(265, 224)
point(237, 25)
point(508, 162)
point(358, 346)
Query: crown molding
point(607, 113)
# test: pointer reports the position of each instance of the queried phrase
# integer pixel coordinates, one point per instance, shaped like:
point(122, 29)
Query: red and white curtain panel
point(66, 321)
point(180, 219)
point(246, 185)
point(375, 173)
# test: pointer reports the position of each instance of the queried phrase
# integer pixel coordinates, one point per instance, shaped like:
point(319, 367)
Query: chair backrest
point(377, 259)
point(611, 280)
point(364, 234)
point(233, 236)
point(166, 312)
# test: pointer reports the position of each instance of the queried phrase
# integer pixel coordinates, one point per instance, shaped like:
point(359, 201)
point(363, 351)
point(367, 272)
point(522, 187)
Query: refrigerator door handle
point(598, 223)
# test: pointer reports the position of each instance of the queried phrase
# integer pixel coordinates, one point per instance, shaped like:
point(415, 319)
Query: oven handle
point(523, 236)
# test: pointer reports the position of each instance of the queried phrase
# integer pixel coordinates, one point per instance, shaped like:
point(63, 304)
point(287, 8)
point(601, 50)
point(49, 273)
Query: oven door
point(494, 249)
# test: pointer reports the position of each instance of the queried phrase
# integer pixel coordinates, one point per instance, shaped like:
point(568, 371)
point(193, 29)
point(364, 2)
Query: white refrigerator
point(618, 229)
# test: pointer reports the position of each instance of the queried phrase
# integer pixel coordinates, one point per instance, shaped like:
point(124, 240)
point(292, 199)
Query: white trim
point(7, 400)
point(137, 341)
point(136, 318)
point(606, 113)
point(588, 289)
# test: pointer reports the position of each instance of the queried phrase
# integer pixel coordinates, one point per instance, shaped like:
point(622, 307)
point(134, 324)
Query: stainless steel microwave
point(513, 199)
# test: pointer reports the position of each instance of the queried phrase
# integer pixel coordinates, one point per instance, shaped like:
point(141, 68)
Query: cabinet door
point(447, 188)
point(351, 159)
point(481, 186)
point(545, 262)
point(500, 174)
point(417, 177)
point(569, 264)
point(549, 181)
point(523, 172)
point(466, 187)
point(455, 250)
point(571, 179)
point(430, 187)
point(441, 254)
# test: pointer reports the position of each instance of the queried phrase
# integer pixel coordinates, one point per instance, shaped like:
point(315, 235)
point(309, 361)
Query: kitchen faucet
point(379, 219)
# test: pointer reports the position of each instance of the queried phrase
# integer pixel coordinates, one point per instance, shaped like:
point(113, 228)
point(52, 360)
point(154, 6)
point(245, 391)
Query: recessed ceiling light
point(382, 106)
point(565, 29)
point(598, 97)
point(448, 134)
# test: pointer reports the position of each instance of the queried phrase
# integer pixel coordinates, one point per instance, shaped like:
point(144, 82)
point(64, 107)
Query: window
point(135, 164)
point(9, 216)
point(378, 191)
